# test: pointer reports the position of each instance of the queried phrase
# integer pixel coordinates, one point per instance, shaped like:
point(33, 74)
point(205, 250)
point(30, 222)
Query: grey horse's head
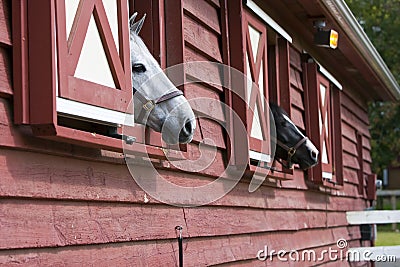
point(157, 102)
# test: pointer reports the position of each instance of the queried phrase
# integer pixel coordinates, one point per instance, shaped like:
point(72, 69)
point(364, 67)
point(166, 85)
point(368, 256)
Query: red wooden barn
point(67, 196)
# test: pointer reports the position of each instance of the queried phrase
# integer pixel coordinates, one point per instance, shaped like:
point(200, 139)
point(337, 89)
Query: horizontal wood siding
point(355, 122)
point(296, 89)
point(62, 204)
point(202, 37)
point(5, 71)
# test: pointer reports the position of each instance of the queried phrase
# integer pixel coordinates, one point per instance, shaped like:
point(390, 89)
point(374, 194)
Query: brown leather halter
point(148, 105)
point(291, 151)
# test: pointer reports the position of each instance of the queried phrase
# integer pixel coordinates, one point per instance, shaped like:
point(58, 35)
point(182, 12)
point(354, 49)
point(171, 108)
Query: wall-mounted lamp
point(325, 38)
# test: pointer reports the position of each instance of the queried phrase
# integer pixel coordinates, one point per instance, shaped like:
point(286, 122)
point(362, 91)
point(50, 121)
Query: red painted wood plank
point(45, 223)
point(203, 12)
point(203, 72)
point(27, 174)
point(21, 138)
point(350, 190)
point(358, 109)
point(366, 155)
point(350, 161)
point(299, 80)
point(124, 254)
point(366, 142)
point(205, 101)
point(14, 137)
point(103, 96)
point(295, 59)
point(215, 169)
point(174, 33)
point(297, 117)
point(283, 69)
point(197, 134)
point(5, 22)
point(198, 252)
point(348, 131)
point(367, 168)
point(293, 79)
point(214, 131)
point(20, 62)
point(351, 119)
point(5, 72)
point(202, 39)
point(42, 73)
point(27, 223)
point(249, 220)
point(216, 3)
point(350, 175)
point(296, 97)
point(349, 146)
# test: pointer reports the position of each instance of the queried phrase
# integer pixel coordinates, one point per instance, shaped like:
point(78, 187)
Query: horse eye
point(138, 67)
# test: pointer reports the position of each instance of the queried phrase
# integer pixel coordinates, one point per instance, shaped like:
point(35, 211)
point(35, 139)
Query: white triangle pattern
point(93, 65)
point(324, 156)
point(256, 131)
point(254, 40)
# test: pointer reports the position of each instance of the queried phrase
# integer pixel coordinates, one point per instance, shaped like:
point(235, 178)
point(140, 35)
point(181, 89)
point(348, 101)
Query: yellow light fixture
point(325, 38)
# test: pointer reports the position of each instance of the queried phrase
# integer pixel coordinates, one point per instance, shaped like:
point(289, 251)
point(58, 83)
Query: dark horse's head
point(292, 145)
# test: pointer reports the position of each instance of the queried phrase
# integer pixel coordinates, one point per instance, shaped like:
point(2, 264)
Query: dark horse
point(292, 145)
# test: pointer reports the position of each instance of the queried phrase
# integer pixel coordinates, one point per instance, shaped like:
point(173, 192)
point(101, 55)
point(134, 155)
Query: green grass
point(386, 236)
point(385, 204)
point(387, 227)
point(388, 239)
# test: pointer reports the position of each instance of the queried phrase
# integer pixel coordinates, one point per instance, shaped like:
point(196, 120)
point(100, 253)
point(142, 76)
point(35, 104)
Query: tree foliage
point(380, 20)
point(385, 134)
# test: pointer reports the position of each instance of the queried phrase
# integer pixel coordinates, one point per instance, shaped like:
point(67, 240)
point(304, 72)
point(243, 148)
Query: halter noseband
point(149, 105)
point(290, 150)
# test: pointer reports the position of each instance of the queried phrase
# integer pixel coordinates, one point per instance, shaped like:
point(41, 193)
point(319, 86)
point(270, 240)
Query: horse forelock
point(279, 112)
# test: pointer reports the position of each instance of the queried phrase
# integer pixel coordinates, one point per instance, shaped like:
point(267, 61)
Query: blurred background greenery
point(380, 20)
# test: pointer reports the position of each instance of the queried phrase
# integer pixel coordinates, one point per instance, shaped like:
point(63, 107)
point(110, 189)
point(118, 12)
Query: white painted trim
point(330, 77)
point(379, 254)
point(388, 193)
point(86, 112)
point(373, 217)
point(267, 19)
point(259, 156)
point(327, 175)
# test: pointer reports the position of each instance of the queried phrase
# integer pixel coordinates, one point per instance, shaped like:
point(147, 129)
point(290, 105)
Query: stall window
point(324, 126)
point(248, 50)
point(261, 52)
point(257, 88)
point(79, 85)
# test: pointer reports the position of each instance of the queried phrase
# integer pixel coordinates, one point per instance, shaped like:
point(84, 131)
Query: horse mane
point(277, 110)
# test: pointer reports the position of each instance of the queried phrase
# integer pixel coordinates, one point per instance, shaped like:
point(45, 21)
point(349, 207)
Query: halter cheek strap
point(149, 105)
point(291, 151)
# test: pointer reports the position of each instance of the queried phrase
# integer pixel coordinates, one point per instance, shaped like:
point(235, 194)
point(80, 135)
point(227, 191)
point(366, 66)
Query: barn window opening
point(324, 123)
point(79, 87)
point(265, 61)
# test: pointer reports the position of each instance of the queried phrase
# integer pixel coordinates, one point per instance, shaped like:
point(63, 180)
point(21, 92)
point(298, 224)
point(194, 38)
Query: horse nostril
point(314, 154)
point(188, 127)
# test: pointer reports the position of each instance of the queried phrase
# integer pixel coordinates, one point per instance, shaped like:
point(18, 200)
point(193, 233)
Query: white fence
point(378, 254)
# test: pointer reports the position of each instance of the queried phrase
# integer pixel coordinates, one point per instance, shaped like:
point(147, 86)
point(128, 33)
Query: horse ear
point(135, 27)
point(132, 20)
